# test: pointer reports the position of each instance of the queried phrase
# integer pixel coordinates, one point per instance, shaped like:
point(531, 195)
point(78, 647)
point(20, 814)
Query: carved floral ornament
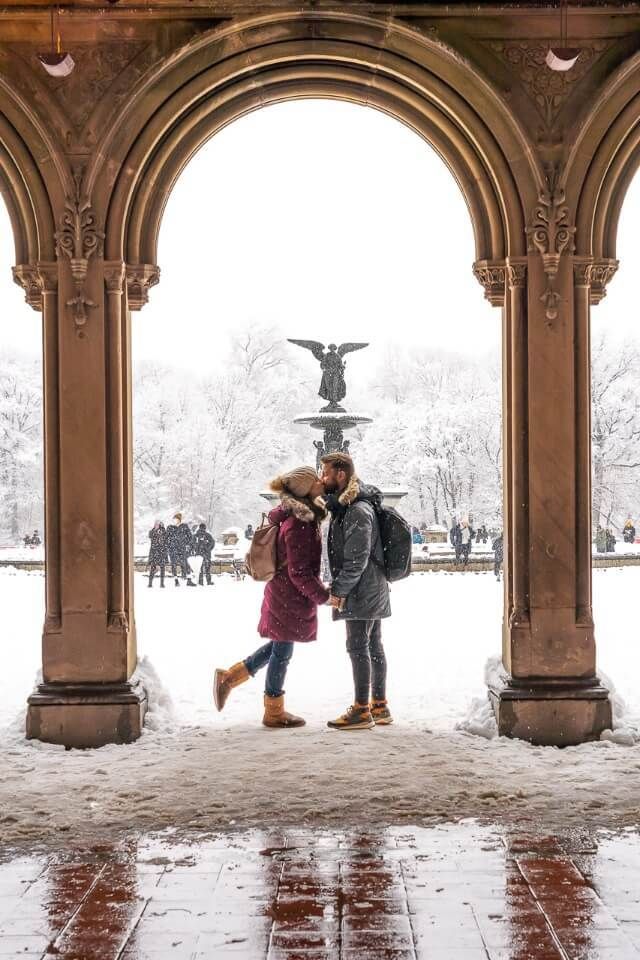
point(548, 89)
point(79, 239)
point(551, 234)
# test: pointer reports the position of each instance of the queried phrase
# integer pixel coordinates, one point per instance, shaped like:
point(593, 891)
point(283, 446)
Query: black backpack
point(397, 542)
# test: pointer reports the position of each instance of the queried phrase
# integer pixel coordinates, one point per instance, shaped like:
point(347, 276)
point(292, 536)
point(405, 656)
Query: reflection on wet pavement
point(462, 891)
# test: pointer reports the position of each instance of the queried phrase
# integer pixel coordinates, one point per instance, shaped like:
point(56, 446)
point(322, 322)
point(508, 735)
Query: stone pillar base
point(551, 713)
point(86, 715)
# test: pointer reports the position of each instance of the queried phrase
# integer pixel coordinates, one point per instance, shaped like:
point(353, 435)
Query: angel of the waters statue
point(333, 386)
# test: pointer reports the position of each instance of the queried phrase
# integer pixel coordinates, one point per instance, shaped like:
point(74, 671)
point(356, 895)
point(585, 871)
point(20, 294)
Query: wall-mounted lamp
point(57, 63)
point(562, 57)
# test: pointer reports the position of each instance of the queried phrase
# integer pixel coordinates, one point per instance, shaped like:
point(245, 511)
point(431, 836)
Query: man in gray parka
point(359, 588)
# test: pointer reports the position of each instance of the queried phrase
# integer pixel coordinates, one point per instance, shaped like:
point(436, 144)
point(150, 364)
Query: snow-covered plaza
point(196, 767)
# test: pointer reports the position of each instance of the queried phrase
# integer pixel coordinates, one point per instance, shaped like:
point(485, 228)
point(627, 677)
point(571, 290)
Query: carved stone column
point(550, 693)
point(87, 697)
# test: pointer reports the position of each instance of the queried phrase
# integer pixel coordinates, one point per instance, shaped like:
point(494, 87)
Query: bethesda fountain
point(333, 420)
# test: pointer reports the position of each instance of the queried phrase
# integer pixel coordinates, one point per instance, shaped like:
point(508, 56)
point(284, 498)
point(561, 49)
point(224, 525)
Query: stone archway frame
point(551, 693)
point(239, 68)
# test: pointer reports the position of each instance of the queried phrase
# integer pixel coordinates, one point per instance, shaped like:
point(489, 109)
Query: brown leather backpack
point(262, 559)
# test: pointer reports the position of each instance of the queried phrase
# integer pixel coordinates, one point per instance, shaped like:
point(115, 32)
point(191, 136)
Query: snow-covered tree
point(21, 480)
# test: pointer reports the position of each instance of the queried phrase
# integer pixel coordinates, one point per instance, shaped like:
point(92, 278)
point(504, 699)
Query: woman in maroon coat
point(290, 607)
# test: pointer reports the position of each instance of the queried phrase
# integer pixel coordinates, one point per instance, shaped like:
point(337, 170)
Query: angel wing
point(350, 347)
point(317, 349)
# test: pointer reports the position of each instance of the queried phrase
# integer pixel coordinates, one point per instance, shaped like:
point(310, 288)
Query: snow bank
point(625, 728)
point(161, 715)
point(480, 719)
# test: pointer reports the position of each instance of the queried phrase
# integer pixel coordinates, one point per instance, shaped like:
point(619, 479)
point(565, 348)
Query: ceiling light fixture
point(563, 57)
point(57, 63)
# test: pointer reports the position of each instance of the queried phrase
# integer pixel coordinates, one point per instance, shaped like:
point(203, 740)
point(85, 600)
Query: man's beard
point(330, 486)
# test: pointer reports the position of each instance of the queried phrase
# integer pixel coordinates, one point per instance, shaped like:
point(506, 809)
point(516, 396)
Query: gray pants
point(368, 662)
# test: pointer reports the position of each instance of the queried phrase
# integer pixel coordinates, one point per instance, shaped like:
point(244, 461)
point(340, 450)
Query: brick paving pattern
point(461, 892)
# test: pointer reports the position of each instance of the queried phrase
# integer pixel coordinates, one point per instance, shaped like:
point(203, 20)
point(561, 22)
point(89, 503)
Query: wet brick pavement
point(462, 892)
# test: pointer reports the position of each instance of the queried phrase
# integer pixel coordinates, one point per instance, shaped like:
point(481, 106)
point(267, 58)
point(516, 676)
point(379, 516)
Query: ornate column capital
point(594, 274)
point(36, 279)
point(491, 274)
point(582, 271)
point(602, 271)
point(517, 271)
point(48, 274)
point(140, 278)
point(114, 274)
point(26, 276)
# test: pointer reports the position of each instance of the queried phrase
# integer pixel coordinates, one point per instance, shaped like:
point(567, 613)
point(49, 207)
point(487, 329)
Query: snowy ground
point(195, 766)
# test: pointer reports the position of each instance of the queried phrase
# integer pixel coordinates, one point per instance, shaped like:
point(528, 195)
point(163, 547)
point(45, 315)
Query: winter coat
point(203, 544)
point(356, 556)
point(455, 534)
point(291, 599)
point(158, 545)
point(179, 540)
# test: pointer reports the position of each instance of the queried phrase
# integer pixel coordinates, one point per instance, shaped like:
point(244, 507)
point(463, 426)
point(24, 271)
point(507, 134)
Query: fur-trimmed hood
point(301, 509)
point(355, 490)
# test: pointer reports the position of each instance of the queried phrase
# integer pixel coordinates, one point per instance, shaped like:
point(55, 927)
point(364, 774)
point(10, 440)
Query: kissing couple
point(358, 592)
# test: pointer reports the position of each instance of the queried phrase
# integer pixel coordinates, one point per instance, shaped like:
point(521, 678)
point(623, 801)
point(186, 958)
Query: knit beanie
point(297, 482)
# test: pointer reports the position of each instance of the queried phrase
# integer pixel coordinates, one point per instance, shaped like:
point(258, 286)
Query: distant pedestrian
point(467, 534)
point(601, 540)
point(179, 542)
point(455, 536)
point(248, 533)
point(498, 555)
point(203, 544)
point(629, 531)
point(611, 540)
point(35, 539)
point(157, 552)
point(27, 540)
point(416, 536)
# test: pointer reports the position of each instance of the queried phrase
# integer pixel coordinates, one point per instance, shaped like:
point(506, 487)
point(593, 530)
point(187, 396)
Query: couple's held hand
point(336, 602)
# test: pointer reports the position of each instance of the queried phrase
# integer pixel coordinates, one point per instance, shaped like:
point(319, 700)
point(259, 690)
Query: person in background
point(498, 554)
point(455, 538)
point(416, 536)
point(203, 544)
point(601, 540)
point(179, 542)
point(467, 534)
point(611, 540)
point(157, 552)
point(629, 531)
point(248, 534)
point(27, 540)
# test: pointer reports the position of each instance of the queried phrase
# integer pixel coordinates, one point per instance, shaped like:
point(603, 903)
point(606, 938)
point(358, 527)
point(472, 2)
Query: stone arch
point(602, 164)
point(231, 71)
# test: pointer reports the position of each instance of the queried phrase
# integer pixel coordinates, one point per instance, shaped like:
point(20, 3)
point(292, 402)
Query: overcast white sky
point(331, 220)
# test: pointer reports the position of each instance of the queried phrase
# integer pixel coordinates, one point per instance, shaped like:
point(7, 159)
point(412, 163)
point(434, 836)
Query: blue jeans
point(277, 656)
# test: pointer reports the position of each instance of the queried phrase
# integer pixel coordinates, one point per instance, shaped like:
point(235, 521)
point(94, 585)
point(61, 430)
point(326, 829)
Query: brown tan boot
point(225, 680)
point(275, 714)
